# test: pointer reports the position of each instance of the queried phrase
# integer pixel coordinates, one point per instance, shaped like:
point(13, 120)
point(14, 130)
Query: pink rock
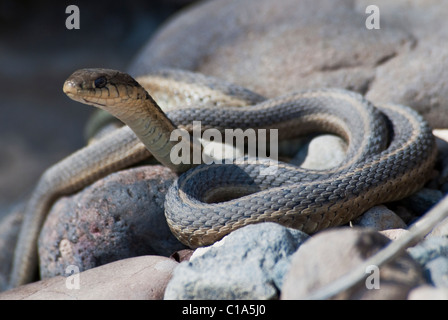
point(118, 217)
point(333, 253)
point(138, 278)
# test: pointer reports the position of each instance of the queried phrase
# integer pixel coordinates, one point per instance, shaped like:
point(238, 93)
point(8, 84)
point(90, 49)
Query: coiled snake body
point(390, 154)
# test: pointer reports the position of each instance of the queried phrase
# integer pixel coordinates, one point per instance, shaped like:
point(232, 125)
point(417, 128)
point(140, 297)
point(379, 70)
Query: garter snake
point(390, 154)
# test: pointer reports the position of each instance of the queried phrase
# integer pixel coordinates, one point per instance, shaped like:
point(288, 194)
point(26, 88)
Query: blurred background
point(39, 125)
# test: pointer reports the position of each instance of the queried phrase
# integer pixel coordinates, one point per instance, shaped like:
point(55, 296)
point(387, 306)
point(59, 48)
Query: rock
point(429, 249)
point(432, 255)
point(9, 230)
point(289, 45)
point(404, 213)
point(332, 253)
point(182, 255)
point(323, 152)
point(442, 158)
point(135, 278)
point(118, 217)
point(240, 266)
point(442, 145)
point(436, 271)
point(380, 218)
point(426, 292)
point(394, 234)
point(417, 81)
point(422, 200)
point(440, 230)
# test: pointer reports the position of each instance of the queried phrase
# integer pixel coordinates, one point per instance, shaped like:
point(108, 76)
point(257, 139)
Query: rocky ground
point(272, 50)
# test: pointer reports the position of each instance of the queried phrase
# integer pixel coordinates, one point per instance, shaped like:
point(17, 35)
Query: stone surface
point(333, 253)
point(432, 255)
point(380, 218)
point(422, 200)
point(322, 152)
point(287, 46)
point(429, 249)
point(139, 278)
point(240, 266)
point(440, 230)
point(117, 217)
point(436, 271)
point(426, 292)
point(394, 234)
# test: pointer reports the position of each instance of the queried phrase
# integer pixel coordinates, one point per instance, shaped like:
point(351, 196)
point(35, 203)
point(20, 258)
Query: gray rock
point(380, 218)
point(332, 253)
point(139, 278)
point(436, 271)
point(240, 266)
point(422, 200)
point(429, 249)
point(322, 152)
point(118, 217)
point(291, 45)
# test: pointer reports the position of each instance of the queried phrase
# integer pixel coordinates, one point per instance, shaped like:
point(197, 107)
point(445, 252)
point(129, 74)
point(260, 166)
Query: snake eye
point(100, 82)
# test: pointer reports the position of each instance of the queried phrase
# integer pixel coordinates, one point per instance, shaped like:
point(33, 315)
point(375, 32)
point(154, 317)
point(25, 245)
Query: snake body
point(390, 154)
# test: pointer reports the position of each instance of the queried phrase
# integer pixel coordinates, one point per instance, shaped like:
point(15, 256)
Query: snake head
point(102, 88)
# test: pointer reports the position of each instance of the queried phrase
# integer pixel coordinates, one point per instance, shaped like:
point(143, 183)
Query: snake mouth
point(71, 91)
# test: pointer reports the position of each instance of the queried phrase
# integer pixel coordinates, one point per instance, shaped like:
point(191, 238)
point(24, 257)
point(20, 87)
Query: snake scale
point(390, 154)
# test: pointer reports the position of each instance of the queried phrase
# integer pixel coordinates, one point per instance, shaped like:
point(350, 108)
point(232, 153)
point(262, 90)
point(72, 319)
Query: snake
point(390, 154)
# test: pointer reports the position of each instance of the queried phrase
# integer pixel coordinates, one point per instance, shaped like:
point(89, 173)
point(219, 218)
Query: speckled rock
point(429, 249)
point(432, 255)
point(436, 272)
point(138, 278)
point(333, 253)
point(117, 217)
point(247, 264)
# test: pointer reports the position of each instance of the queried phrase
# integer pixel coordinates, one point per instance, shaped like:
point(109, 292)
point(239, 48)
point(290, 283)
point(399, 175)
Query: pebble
point(380, 218)
point(332, 253)
point(117, 217)
point(243, 265)
point(322, 152)
point(138, 278)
